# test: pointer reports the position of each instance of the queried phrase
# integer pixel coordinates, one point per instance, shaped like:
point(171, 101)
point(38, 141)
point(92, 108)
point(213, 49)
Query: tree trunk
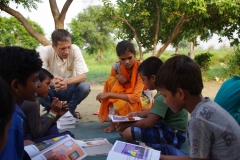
point(156, 30)
point(176, 50)
point(26, 25)
point(59, 17)
point(191, 53)
point(174, 34)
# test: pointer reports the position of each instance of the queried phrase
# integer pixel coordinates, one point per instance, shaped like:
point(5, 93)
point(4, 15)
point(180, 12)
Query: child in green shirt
point(160, 126)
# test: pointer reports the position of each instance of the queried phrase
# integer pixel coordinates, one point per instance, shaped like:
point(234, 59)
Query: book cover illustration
point(69, 150)
point(45, 144)
point(132, 150)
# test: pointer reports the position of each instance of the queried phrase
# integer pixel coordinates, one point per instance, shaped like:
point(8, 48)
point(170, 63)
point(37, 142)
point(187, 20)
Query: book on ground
point(63, 147)
point(116, 118)
point(66, 121)
point(95, 146)
point(128, 151)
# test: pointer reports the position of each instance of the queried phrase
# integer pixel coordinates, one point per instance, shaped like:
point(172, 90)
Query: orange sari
point(133, 89)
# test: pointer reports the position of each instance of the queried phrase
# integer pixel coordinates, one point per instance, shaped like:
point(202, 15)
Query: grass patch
point(214, 73)
point(98, 73)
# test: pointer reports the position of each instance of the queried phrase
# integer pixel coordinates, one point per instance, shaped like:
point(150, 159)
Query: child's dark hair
point(125, 46)
point(180, 71)
point(7, 106)
point(150, 66)
point(60, 35)
point(18, 63)
point(43, 73)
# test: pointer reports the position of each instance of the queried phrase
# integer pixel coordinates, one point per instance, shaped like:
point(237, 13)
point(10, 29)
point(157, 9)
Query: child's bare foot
point(110, 128)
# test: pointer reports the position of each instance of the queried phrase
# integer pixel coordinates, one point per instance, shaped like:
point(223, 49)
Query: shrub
point(203, 60)
point(234, 63)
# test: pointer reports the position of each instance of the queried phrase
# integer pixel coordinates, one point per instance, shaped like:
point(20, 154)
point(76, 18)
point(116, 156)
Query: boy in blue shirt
point(6, 111)
point(20, 68)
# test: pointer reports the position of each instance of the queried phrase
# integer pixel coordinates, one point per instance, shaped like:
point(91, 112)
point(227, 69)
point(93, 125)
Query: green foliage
point(25, 3)
point(203, 18)
point(234, 63)
point(183, 44)
point(89, 31)
point(14, 34)
point(203, 60)
point(99, 69)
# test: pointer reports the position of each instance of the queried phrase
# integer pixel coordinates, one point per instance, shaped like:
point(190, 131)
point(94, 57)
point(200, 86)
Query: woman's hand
point(122, 79)
point(102, 96)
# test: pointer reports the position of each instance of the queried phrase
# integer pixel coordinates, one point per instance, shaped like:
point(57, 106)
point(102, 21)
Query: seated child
point(122, 90)
point(19, 67)
point(36, 128)
point(228, 97)
point(212, 132)
point(6, 111)
point(161, 125)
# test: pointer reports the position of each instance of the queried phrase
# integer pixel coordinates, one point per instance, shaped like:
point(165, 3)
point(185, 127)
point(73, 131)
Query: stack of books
point(66, 121)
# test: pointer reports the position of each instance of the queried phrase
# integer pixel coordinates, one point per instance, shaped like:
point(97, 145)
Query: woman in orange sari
point(122, 90)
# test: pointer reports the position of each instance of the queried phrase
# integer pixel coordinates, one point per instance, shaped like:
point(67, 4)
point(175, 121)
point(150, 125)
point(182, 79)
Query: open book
point(95, 146)
point(116, 118)
point(63, 147)
point(128, 151)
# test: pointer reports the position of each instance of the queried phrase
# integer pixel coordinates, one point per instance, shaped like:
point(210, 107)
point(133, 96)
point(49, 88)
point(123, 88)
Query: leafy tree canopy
point(178, 19)
point(91, 32)
point(25, 3)
point(13, 33)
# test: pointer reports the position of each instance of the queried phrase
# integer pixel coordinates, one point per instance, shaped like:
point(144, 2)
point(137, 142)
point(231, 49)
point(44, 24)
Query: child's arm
point(148, 122)
point(142, 114)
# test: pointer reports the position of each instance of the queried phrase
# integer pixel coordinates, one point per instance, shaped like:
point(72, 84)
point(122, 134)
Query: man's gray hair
point(60, 35)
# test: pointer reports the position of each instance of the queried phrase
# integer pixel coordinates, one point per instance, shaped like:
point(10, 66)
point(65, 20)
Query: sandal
point(78, 115)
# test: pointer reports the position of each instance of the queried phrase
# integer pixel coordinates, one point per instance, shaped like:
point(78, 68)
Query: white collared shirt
point(72, 66)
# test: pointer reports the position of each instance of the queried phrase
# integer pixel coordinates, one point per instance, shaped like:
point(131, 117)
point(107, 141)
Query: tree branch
point(156, 29)
point(176, 13)
point(174, 34)
point(62, 15)
point(134, 33)
point(54, 9)
point(26, 24)
point(192, 16)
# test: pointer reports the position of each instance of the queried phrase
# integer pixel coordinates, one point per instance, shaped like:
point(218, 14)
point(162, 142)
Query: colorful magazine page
point(35, 149)
point(65, 148)
point(116, 118)
point(128, 151)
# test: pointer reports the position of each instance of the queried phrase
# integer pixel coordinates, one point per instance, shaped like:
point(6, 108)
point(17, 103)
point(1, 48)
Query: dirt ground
point(90, 104)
